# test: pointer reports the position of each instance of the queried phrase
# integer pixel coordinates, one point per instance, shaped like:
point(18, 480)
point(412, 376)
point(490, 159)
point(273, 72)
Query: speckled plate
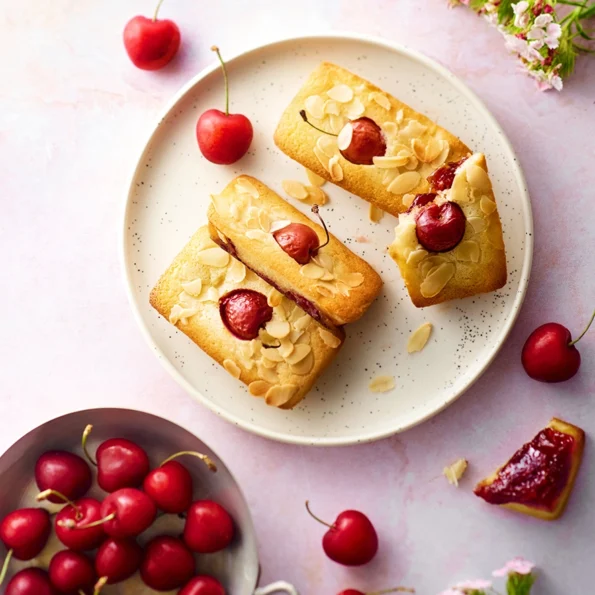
point(168, 198)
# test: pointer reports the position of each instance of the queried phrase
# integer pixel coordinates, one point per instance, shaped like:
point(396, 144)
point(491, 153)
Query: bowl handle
point(278, 587)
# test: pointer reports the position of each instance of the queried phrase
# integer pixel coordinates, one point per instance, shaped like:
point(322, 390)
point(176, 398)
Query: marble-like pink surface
point(73, 112)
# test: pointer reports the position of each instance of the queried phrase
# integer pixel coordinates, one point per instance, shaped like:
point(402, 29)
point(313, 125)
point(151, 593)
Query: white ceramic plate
point(169, 195)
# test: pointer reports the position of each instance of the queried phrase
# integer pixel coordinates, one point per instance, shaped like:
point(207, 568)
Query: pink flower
point(545, 32)
point(516, 565)
point(521, 14)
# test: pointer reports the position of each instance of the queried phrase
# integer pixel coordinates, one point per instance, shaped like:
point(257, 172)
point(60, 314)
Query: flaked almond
point(345, 136)
point(442, 156)
point(302, 323)
point(259, 388)
point(217, 275)
point(314, 178)
point(213, 257)
point(328, 276)
point(467, 251)
point(235, 210)
point(294, 335)
point(280, 395)
point(312, 271)
point(430, 263)
point(478, 178)
point(375, 214)
point(413, 130)
point(236, 272)
point(404, 183)
point(341, 93)
point(251, 218)
point(267, 374)
point(325, 260)
point(436, 280)
point(179, 314)
point(246, 186)
point(327, 144)
point(478, 224)
point(210, 295)
point(459, 191)
point(400, 117)
point(328, 338)
point(279, 224)
point(408, 200)
point(390, 161)
point(455, 472)
point(494, 234)
point(267, 363)
point(324, 290)
point(336, 124)
point(419, 337)
point(322, 157)
point(278, 328)
point(390, 175)
point(381, 99)
point(335, 169)
point(286, 348)
point(295, 189)
point(193, 288)
point(382, 384)
point(257, 234)
point(487, 205)
point(389, 128)
point(416, 256)
point(433, 149)
point(232, 368)
point(221, 204)
point(264, 220)
point(316, 195)
point(272, 354)
point(304, 339)
point(352, 279)
point(355, 109)
point(315, 106)
point(412, 163)
point(304, 367)
point(332, 107)
point(298, 354)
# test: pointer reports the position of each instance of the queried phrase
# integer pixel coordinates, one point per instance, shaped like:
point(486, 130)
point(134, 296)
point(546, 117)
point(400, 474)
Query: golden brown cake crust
point(351, 284)
point(188, 296)
point(404, 128)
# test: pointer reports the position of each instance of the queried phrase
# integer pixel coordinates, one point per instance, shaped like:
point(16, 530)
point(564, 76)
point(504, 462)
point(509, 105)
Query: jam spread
point(537, 473)
point(244, 312)
point(444, 176)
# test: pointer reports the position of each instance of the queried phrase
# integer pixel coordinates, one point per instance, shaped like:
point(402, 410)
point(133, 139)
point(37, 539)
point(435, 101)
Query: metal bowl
point(236, 567)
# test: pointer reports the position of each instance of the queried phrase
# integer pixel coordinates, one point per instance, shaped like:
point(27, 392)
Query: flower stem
point(316, 518)
point(5, 566)
point(216, 50)
point(99, 585)
point(584, 332)
point(206, 460)
point(305, 119)
point(109, 517)
point(86, 433)
point(47, 493)
point(157, 10)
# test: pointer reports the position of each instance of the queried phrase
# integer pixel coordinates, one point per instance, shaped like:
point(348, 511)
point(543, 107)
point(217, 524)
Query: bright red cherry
point(31, 581)
point(440, 228)
point(151, 43)
point(351, 540)
point(223, 138)
point(127, 513)
point(118, 559)
point(77, 527)
point(72, 572)
point(202, 585)
point(63, 472)
point(208, 528)
point(444, 176)
point(244, 312)
point(25, 532)
point(550, 354)
point(365, 141)
point(167, 564)
point(170, 486)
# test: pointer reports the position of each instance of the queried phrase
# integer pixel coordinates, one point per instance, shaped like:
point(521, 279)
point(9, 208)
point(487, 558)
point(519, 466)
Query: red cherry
point(25, 532)
point(244, 312)
point(71, 525)
point(440, 228)
point(208, 528)
point(444, 176)
point(421, 200)
point(298, 240)
point(31, 581)
point(127, 513)
point(118, 559)
point(71, 572)
point(367, 142)
point(550, 354)
point(63, 472)
point(170, 486)
point(202, 585)
point(351, 540)
point(151, 43)
point(167, 564)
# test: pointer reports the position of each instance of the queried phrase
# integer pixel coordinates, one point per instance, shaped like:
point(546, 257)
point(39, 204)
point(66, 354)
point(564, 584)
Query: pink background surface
point(73, 112)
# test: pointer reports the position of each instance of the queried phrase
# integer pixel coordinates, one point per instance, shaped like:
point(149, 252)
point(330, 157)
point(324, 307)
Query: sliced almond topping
point(467, 251)
point(217, 275)
point(390, 175)
point(345, 136)
point(327, 144)
point(214, 257)
point(294, 335)
point(442, 156)
point(388, 162)
point(430, 263)
point(278, 328)
point(267, 363)
point(280, 395)
point(382, 384)
point(413, 130)
point(375, 214)
point(325, 260)
point(404, 182)
point(221, 204)
point(389, 128)
point(455, 472)
point(246, 186)
point(263, 219)
point(257, 234)
point(298, 354)
point(341, 93)
point(179, 314)
point(312, 271)
point(277, 225)
point(272, 353)
point(487, 205)
point(459, 191)
point(419, 148)
point(416, 256)
point(210, 295)
point(399, 117)
point(335, 169)
point(412, 163)
point(328, 276)
point(336, 124)
point(314, 178)
point(304, 339)
point(436, 280)
point(322, 157)
point(232, 368)
point(478, 177)
point(355, 109)
point(494, 234)
point(324, 291)
point(286, 348)
point(267, 374)
point(295, 189)
point(316, 195)
point(193, 288)
point(408, 200)
point(315, 106)
point(252, 218)
point(433, 149)
point(328, 338)
point(258, 388)
point(302, 323)
point(477, 223)
point(235, 210)
point(380, 99)
point(305, 366)
point(236, 273)
point(419, 337)
point(352, 279)
point(332, 107)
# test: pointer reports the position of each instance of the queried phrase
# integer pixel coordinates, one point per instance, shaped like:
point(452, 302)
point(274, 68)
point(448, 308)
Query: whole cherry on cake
point(244, 312)
point(550, 353)
point(440, 227)
point(223, 138)
point(151, 43)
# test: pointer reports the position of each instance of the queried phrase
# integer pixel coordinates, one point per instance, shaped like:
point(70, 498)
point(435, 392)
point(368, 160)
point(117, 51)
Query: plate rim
point(525, 275)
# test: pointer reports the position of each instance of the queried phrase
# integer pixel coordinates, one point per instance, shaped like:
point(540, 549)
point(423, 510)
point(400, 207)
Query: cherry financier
point(290, 251)
point(260, 337)
point(539, 477)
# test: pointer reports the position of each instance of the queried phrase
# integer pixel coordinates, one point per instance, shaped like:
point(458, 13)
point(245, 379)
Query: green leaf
point(581, 31)
point(566, 54)
point(478, 4)
point(505, 12)
point(519, 584)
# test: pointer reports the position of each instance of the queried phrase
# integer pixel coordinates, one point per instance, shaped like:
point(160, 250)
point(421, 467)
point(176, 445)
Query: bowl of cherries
point(115, 501)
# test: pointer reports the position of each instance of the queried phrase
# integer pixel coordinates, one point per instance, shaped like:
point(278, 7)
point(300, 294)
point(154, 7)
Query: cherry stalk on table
point(223, 138)
point(351, 540)
point(64, 472)
point(167, 564)
point(550, 354)
point(151, 43)
point(202, 585)
point(31, 581)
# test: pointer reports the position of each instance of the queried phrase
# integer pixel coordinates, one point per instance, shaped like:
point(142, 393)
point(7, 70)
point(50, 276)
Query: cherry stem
point(305, 119)
point(315, 210)
point(157, 10)
point(216, 50)
point(315, 517)
point(395, 590)
point(5, 566)
point(206, 460)
point(86, 433)
point(99, 585)
point(109, 517)
point(47, 493)
point(584, 332)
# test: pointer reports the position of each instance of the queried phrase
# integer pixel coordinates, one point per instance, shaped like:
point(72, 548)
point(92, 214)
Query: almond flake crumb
point(375, 214)
point(419, 337)
point(455, 471)
point(382, 384)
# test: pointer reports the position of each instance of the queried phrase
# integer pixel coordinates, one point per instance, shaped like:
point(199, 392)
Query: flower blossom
point(516, 565)
point(545, 32)
point(521, 14)
point(523, 48)
point(473, 585)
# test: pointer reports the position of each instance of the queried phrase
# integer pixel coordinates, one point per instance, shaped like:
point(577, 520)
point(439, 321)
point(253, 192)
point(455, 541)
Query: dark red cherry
point(444, 176)
point(203, 585)
point(121, 463)
point(421, 200)
point(298, 240)
point(71, 525)
point(367, 142)
point(127, 513)
point(118, 559)
point(64, 472)
point(25, 532)
point(72, 572)
point(244, 312)
point(31, 581)
point(167, 564)
point(440, 228)
point(209, 527)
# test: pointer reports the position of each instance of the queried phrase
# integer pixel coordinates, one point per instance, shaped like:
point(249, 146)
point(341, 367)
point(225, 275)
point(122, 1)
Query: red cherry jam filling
point(421, 200)
point(367, 142)
point(536, 474)
point(298, 240)
point(444, 176)
point(440, 228)
point(244, 312)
